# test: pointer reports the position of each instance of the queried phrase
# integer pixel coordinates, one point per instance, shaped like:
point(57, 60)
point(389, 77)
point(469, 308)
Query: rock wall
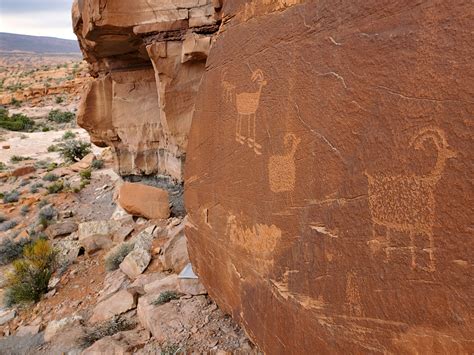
point(329, 175)
point(148, 59)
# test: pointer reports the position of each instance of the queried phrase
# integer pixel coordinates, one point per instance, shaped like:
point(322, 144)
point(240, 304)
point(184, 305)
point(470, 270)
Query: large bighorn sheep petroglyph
point(406, 203)
point(247, 104)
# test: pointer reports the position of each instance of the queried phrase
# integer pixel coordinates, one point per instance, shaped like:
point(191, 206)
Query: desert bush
point(16, 103)
point(30, 276)
point(24, 182)
point(165, 297)
point(11, 250)
point(61, 116)
point(171, 349)
point(35, 187)
point(108, 328)
point(116, 256)
point(12, 196)
point(50, 177)
point(24, 210)
point(86, 174)
point(17, 122)
point(74, 150)
point(18, 158)
point(53, 148)
point(68, 135)
point(48, 212)
point(3, 218)
point(2, 166)
point(42, 204)
point(97, 164)
point(59, 99)
point(7, 225)
point(56, 187)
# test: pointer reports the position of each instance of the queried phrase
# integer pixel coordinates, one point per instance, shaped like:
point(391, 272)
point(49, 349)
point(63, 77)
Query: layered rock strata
point(328, 175)
point(147, 59)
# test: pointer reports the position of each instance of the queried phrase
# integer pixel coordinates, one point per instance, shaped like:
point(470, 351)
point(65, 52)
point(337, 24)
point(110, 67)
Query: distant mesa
point(10, 42)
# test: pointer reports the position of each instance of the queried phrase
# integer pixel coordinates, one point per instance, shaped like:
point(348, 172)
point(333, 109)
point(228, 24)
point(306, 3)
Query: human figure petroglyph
point(247, 104)
point(406, 203)
point(282, 169)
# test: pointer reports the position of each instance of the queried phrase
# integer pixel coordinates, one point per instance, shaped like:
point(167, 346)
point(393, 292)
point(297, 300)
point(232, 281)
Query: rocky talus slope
point(328, 170)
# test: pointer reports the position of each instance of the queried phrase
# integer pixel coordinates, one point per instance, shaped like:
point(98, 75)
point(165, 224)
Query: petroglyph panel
point(350, 230)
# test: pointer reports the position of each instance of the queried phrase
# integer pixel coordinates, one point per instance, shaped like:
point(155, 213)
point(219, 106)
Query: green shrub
point(3, 218)
point(11, 250)
point(24, 210)
point(86, 174)
point(12, 196)
point(165, 297)
point(97, 164)
point(74, 150)
point(51, 166)
point(116, 256)
point(68, 135)
point(50, 177)
point(55, 188)
point(59, 99)
point(42, 204)
point(46, 129)
point(7, 225)
point(2, 166)
point(17, 122)
point(61, 116)
point(18, 158)
point(30, 276)
point(53, 148)
point(16, 103)
point(35, 187)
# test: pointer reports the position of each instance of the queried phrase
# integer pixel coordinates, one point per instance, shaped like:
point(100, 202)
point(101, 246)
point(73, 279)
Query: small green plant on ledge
point(166, 297)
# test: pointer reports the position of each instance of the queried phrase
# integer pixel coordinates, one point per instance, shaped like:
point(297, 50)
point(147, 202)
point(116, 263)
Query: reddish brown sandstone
point(329, 175)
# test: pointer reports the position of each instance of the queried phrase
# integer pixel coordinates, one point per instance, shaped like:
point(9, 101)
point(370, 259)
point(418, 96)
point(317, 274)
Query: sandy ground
point(36, 144)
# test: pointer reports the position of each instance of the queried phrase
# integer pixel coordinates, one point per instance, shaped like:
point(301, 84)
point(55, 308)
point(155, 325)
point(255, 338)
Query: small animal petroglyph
point(406, 203)
point(282, 169)
point(260, 240)
point(247, 104)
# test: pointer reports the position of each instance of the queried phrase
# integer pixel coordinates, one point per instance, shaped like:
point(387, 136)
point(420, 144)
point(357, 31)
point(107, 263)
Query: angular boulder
point(61, 229)
point(174, 254)
point(24, 170)
point(144, 201)
point(326, 175)
point(117, 304)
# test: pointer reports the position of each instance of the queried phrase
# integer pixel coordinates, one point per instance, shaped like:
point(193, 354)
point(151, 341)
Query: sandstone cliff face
point(148, 59)
point(328, 175)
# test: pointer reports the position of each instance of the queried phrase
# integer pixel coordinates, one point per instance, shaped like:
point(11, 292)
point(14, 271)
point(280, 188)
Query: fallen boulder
point(144, 201)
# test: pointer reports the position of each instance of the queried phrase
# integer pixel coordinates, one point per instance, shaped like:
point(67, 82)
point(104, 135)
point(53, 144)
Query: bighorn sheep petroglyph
point(406, 203)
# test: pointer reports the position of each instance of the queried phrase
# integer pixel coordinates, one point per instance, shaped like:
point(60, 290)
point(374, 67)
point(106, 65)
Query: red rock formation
point(328, 175)
point(148, 60)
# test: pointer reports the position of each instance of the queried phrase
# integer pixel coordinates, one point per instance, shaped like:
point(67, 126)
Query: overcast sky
point(37, 17)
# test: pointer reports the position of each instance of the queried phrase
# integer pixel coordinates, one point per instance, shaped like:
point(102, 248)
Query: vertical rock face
point(328, 175)
point(148, 59)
